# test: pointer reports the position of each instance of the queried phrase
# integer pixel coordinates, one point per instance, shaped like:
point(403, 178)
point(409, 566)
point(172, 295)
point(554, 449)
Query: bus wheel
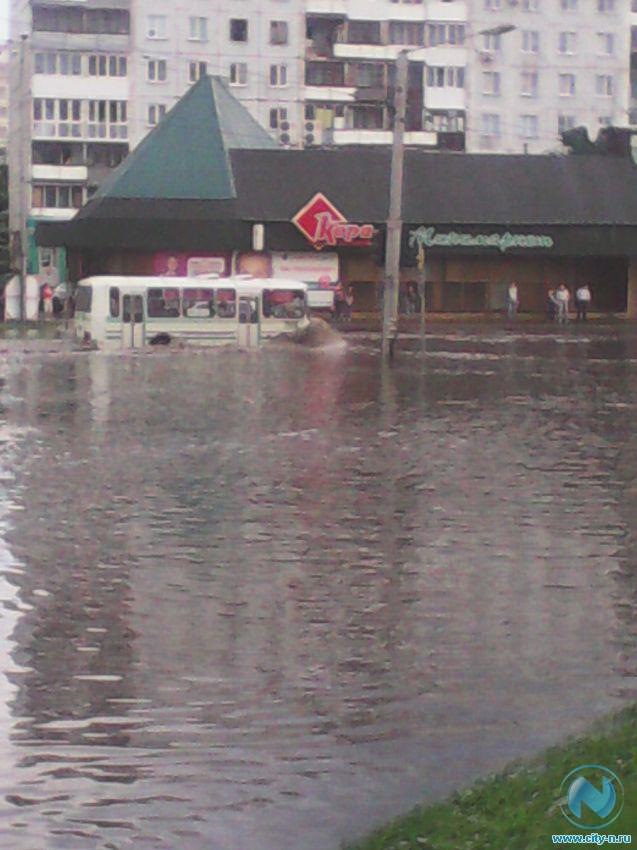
point(161, 339)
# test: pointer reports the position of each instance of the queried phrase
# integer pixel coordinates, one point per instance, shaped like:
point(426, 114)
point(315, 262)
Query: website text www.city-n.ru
point(591, 838)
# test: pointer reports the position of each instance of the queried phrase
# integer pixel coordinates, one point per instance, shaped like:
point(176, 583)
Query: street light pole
point(394, 220)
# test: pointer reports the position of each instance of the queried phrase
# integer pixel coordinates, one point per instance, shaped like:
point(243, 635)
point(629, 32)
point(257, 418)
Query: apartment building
point(351, 49)
point(485, 75)
point(566, 63)
point(90, 79)
point(4, 99)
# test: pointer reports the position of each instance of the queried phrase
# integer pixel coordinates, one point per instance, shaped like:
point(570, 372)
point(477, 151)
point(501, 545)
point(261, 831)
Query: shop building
point(207, 192)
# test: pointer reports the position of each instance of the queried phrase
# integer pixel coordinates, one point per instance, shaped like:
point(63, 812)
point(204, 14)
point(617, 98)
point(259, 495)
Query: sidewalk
point(372, 322)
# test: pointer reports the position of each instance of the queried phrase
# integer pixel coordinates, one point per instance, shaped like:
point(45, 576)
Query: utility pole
point(422, 277)
point(394, 221)
point(24, 140)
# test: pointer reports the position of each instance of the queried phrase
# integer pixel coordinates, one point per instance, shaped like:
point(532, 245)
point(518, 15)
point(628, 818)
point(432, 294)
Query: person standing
point(513, 300)
point(348, 304)
point(582, 301)
point(562, 296)
point(552, 305)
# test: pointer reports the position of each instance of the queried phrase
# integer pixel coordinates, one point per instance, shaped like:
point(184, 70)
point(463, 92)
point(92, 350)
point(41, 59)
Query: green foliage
point(519, 809)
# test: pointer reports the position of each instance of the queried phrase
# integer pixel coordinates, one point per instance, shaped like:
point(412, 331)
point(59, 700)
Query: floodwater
point(269, 599)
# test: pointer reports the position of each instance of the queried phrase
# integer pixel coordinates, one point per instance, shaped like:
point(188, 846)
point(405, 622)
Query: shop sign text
point(427, 237)
point(323, 225)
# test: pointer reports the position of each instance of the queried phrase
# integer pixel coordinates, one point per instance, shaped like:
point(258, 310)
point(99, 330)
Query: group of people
point(557, 302)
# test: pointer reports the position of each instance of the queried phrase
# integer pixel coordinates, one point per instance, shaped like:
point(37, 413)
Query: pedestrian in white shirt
point(582, 301)
point(562, 296)
point(513, 300)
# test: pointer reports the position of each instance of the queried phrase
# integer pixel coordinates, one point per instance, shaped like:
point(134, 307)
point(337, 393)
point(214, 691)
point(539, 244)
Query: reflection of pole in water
point(100, 396)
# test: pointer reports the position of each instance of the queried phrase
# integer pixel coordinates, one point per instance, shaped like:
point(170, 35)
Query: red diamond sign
point(322, 224)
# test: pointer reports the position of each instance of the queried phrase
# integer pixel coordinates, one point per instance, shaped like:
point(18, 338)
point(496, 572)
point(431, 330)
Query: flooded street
point(270, 599)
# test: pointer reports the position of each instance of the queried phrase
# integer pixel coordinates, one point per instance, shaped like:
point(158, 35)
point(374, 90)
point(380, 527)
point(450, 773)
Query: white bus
point(132, 312)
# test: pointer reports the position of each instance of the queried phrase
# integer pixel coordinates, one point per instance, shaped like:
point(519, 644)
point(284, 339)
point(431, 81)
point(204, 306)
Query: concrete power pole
point(394, 222)
point(24, 141)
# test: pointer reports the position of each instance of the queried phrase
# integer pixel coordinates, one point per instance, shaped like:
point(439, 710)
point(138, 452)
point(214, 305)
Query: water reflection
point(265, 597)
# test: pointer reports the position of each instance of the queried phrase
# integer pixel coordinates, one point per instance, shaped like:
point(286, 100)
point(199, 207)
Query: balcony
point(377, 137)
point(328, 94)
point(79, 130)
point(327, 8)
point(59, 173)
point(444, 98)
point(383, 52)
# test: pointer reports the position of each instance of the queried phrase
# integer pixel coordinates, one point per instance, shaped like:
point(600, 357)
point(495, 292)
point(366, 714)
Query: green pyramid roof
point(186, 155)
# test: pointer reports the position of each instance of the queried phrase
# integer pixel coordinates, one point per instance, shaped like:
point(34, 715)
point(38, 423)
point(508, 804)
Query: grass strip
point(519, 809)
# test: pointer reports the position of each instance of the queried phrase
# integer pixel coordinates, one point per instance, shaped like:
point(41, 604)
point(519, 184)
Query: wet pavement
point(269, 599)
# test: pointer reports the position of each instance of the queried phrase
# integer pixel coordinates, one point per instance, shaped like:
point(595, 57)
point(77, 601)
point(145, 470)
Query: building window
point(197, 29)
point(157, 26)
point(366, 75)
point(491, 42)
point(530, 5)
point(569, 5)
point(57, 118)
point(324, 74)
point(565, 122)
point(490, 124)
point(606, 6)
point(67, 19)
point(444, 34)
point(107, 119)
point(493, 5)
point(64, 64)
point(278, 75)
point(238, 29)
point(566, 85)
point(56, 196)
point(363, 32)
point(604, 85)
point(406, 32)
point(491, 82)
point(605, 43)
point(367, 117)
point(239, 74)
point(530, 41)
point(566, 42)
point(197, 70)
point(529, 126)
point(529, 83)
point(277, 117)
point(156, 71)
point(443, 122)
point(278, 32)
point(100, 65)
point(156, 112)
point(440, 77)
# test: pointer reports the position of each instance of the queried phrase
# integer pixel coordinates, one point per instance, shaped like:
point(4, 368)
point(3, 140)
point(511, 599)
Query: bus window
point(283, 303)
point(113, 300)
point(198, 303)
point(83, 299)
point(226, 300)
point(163, 303)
